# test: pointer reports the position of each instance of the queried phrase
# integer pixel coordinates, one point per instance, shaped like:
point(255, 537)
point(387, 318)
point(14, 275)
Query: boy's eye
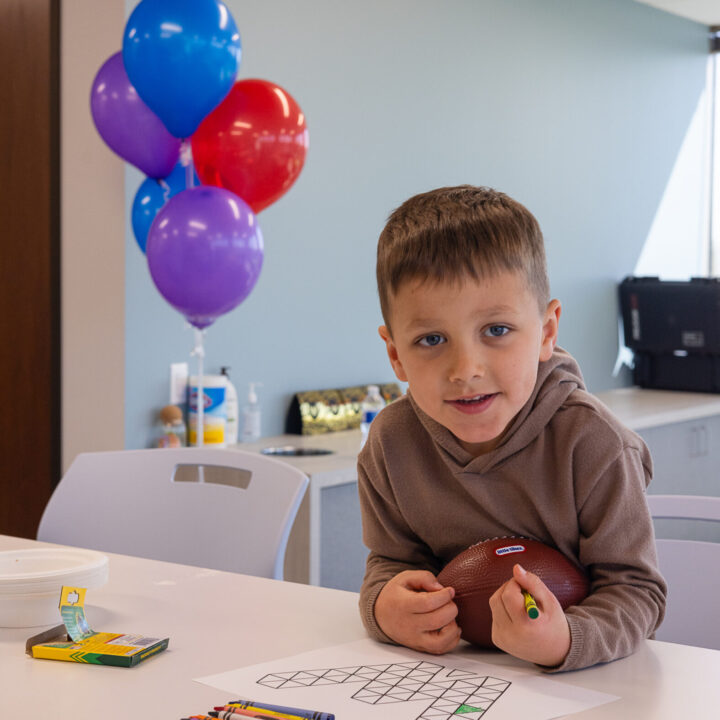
point(431, 340)
point(497, 330)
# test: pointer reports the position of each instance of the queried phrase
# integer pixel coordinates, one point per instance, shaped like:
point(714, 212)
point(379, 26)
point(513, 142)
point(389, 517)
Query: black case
point(673, 329)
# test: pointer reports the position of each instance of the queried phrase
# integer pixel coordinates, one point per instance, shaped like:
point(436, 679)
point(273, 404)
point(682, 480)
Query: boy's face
point(469, 351)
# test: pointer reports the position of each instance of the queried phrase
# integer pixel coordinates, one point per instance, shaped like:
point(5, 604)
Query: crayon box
point(74, 641)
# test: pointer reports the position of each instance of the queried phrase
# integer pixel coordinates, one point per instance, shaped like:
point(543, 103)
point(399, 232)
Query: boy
point(495, 437)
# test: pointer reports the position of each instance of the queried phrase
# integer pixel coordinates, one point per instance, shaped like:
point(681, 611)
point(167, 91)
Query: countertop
point(641, 409)
point(637, 408)
point(341, 463)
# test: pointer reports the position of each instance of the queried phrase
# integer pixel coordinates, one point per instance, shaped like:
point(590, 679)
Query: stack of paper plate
point(31, 580)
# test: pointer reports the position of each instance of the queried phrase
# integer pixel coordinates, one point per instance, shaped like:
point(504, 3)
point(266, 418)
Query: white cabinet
point(325, 545)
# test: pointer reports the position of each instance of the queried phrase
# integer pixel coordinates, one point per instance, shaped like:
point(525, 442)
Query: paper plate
point(31, 579)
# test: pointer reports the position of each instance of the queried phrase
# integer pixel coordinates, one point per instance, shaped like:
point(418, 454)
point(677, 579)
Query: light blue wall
point(575, 107)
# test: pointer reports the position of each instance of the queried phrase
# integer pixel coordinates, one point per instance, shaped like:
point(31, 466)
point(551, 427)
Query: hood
point(557, 378)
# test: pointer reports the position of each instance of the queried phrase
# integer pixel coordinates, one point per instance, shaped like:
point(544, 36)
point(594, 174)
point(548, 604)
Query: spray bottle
point(251, 416)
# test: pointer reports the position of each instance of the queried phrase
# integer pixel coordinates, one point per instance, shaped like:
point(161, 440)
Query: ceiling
point(702, 11)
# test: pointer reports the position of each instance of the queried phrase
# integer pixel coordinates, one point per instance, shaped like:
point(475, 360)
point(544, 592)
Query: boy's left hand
point(544, 640)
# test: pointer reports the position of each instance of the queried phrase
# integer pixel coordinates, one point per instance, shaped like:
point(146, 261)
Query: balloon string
point(199, 352)
point(165, 188)
point(187, 163)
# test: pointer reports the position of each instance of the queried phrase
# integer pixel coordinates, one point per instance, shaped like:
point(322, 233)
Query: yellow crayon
point(531, 607)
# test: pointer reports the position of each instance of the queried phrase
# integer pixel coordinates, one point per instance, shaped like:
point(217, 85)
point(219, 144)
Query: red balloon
point(254, 143)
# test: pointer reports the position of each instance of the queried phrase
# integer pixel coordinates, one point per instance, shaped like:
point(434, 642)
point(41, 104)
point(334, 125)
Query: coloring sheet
point(365, 680)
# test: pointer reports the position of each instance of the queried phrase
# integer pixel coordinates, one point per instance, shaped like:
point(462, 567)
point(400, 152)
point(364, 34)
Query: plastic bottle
point(171, 433)
point(231, 409)
point(372, 404)
point(251, 416)
point(214, 413)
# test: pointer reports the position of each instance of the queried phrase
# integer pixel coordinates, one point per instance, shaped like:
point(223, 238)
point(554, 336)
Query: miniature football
point(476, 573)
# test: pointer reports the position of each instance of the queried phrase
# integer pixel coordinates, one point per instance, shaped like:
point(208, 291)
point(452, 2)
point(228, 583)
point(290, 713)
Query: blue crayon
point(306, 714)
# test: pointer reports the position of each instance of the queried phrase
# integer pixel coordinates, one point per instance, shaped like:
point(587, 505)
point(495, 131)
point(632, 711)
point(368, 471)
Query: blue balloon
point(152, 196)
point(182, 57)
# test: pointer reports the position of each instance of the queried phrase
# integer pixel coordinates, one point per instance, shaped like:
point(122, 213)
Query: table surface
point(219, 621)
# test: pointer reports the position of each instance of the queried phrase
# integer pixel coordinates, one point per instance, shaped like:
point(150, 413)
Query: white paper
point(365, 680)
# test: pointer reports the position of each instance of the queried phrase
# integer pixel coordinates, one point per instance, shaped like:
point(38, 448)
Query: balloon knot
point(185, 153)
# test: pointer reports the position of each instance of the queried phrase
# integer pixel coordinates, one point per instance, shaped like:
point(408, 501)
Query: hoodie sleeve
point(393, 545)
point(617, 544)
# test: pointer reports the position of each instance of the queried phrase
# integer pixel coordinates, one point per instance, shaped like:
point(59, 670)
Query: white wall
point(93, 241)
point(577, 108)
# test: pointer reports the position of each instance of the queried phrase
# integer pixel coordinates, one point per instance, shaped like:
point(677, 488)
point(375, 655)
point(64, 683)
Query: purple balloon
point(128, 125)
point(205, 252)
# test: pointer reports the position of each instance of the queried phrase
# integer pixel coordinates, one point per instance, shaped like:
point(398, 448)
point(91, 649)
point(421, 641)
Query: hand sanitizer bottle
point(251, 416)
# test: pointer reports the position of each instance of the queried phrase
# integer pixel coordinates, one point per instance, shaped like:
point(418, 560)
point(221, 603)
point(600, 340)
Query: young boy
point(495, 437)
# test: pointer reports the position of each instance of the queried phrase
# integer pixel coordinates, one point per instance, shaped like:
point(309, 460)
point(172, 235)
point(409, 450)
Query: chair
point(215, 508)
point(692, 571)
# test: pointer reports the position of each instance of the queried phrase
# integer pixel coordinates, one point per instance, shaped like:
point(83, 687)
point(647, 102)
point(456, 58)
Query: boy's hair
point(453, 232)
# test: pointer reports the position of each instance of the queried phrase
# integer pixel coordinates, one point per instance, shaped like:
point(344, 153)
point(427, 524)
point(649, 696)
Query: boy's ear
point(551, 320)
point(392, 353)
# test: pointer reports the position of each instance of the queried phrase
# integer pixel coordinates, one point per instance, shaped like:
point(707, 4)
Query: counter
point(325, 547)
point(641, 409)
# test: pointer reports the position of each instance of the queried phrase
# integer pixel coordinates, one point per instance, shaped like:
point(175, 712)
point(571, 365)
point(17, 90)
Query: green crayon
point(531, 607)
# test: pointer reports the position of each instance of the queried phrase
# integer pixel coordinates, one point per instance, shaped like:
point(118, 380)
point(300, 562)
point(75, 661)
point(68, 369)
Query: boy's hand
point(544, 640)
point(415, 610)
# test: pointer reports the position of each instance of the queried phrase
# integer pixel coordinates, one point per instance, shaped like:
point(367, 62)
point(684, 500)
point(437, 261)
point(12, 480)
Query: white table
point(218, 621)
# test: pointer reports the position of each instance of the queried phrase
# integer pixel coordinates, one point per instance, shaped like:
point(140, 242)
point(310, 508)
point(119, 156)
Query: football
point(476, 573)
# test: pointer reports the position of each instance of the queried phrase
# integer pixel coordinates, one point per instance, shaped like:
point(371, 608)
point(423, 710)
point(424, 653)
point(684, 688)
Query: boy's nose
point(466, 364)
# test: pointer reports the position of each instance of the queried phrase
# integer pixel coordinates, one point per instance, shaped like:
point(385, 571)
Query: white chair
point(215, 508)
point(692, 571)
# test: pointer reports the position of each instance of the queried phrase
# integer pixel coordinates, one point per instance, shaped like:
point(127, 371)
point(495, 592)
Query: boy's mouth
point(472, 403)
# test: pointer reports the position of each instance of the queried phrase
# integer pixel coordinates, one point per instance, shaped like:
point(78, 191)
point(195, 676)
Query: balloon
point(151, 196)
point(254, 143)
point(205, 251)
point(182, 56)
point(127, 124)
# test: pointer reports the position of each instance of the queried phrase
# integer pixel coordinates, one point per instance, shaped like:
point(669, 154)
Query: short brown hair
point(452, 232)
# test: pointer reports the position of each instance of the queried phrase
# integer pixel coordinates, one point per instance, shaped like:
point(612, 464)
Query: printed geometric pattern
point(450, 694)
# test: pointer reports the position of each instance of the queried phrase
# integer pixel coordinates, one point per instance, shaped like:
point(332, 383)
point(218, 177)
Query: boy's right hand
point(415, 610)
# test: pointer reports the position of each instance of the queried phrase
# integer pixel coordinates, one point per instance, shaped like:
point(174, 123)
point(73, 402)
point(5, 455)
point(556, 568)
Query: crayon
point(238, 714)
point(231, 712)
point(531, 607)
point(299, 712)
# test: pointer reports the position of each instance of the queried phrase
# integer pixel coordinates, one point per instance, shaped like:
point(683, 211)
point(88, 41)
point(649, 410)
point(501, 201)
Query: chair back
point(216, 508)
point(692, 571)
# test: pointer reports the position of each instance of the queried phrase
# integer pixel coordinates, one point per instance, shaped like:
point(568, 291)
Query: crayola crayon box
point(74, 641)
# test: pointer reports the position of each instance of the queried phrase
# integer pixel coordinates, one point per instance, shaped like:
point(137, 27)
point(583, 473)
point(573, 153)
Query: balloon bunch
point(171, 99)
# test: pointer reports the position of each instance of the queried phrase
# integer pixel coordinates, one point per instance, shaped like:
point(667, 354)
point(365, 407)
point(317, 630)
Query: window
point(684, 238)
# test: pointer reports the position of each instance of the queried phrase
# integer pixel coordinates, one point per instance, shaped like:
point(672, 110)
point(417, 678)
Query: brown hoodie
point(567, 473)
